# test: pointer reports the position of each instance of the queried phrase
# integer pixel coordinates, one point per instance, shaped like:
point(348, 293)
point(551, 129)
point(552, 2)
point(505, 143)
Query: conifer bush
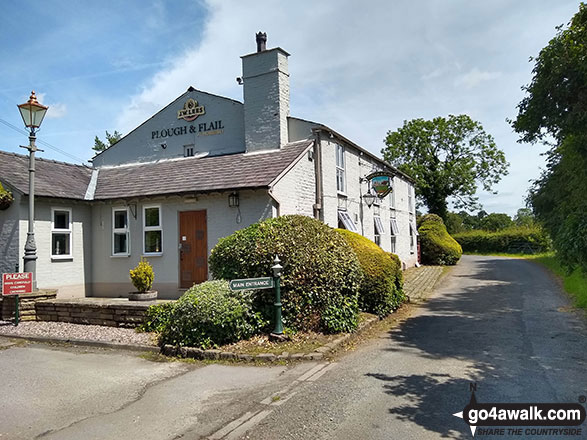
point(381, 290)
point(142, 276)
point(436, 245)
point(321, 274)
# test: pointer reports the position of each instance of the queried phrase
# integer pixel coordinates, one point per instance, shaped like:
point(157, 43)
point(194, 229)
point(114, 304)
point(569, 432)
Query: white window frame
point(394, 227)
point(346, 220)
point(410, 199)
point(392, 196)
point(120, 231)
point(152, 228)
point(412, 238)
point(393, 243)
point(67, 231)
point(379, 230)
point(340, 169)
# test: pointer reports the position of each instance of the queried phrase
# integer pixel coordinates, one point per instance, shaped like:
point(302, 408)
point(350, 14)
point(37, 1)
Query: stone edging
point(318, 354)
point(84, 342)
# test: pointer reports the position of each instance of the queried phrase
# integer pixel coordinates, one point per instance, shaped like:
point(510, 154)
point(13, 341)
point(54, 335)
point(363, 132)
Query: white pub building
point(199, 169)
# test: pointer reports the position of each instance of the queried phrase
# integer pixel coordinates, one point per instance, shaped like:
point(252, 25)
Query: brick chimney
point(266, 96)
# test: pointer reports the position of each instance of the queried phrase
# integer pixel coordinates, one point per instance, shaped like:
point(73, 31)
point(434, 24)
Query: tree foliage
point(448, 158)
point(111, 139)
point(554, 111)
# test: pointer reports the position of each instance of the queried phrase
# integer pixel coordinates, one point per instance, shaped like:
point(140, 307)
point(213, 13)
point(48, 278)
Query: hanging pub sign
point(191, 110)
point(381, 182)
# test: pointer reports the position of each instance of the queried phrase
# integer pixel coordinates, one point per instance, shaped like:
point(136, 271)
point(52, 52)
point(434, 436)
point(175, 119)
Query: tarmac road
point(503, 324)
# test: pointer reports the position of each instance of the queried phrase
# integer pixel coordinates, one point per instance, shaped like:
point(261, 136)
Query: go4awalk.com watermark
point(524, 419)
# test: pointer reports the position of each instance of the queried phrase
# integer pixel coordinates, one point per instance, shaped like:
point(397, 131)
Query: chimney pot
point(261, 41)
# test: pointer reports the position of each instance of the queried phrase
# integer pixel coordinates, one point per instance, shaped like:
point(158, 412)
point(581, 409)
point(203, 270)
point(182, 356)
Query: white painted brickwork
point(357, 166)
point(266, 99)
point(296, 191)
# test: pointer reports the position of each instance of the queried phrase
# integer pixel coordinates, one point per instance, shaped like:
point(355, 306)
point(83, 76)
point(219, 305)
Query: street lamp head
point(32, 112)
point(369, 198)
point(277, 268)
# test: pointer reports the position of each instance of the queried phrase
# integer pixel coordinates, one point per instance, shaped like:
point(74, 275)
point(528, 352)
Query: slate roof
point(52, 179)
point(193, 174)
point(175, 176)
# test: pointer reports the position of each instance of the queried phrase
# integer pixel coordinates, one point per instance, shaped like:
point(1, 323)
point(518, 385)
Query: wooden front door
point(193, 248)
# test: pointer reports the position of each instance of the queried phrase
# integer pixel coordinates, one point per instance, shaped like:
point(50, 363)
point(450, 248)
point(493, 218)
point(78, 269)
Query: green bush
point(210, 315)
point(321, 272)
point(157, 317)
point(382, 288)
point(436, 245)
point(512, 240)
point(142, 276)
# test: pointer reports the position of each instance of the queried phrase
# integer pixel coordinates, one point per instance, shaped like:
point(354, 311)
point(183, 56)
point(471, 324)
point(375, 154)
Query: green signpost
point(266, 283)
point(252, 283)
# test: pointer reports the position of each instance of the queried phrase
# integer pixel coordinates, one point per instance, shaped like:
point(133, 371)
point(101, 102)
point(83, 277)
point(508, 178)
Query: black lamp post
point(32, 114)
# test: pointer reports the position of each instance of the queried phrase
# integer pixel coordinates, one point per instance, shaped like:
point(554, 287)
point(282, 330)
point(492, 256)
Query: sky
point(362, 68)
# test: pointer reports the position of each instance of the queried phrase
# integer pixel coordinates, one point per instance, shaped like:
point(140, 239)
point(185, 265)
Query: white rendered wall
point(71, 276)
point(111, 278)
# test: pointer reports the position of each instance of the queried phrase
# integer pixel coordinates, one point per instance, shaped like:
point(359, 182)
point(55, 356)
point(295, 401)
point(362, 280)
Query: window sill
point(341, 194)
point(120, 256)
point(155, 254)
point(61, 257)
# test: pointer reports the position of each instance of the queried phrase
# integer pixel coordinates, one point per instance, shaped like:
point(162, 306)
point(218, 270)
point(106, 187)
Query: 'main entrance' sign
point(252, 283)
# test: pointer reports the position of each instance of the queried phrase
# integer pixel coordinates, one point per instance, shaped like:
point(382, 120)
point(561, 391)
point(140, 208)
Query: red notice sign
point(17, 283)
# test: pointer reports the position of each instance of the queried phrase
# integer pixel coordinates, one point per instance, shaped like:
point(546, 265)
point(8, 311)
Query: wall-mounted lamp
point(233, 200)
point(369, 198)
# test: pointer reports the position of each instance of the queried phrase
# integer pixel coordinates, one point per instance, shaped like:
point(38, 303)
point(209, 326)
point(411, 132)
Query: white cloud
point(475, 77)
point(56, 110)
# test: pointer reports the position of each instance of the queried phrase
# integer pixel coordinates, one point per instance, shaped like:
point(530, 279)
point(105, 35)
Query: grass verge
point(574, 283)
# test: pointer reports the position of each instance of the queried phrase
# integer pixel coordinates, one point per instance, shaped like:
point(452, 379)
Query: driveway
point(502, 324)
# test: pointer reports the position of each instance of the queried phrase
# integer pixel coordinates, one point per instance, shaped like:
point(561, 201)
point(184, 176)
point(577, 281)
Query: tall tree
point(554, 111)
point(111, 139)
point(448, 158)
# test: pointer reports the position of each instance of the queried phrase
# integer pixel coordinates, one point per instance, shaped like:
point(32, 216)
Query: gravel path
point(76, 331)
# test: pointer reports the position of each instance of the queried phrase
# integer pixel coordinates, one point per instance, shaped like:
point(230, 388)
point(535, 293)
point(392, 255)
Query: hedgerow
point(321, 274)
point(512, 240)
point(436, 245)
point(382, 288)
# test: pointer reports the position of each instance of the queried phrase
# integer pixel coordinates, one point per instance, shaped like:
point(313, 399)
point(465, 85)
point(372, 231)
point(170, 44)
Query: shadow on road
point(477, 321)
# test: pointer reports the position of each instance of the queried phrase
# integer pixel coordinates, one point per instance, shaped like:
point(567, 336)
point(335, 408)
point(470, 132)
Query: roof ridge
point(24, 156)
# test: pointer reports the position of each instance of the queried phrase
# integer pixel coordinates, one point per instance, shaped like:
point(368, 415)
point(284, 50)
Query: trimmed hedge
point(321, 275)
point(436, 245)
point(210, 315)
point(382, 288)
point(512, 240)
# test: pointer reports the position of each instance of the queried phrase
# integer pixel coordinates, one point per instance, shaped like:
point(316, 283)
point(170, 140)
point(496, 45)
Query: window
point(340, 177)
point(152, 230)
point(379, 230)
point(120, 232)
point(392, 198)
point(345, 221)
point(188, 150)
point(410, 200)
point(394, 232)
point(413, 234)
point(60, 233)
